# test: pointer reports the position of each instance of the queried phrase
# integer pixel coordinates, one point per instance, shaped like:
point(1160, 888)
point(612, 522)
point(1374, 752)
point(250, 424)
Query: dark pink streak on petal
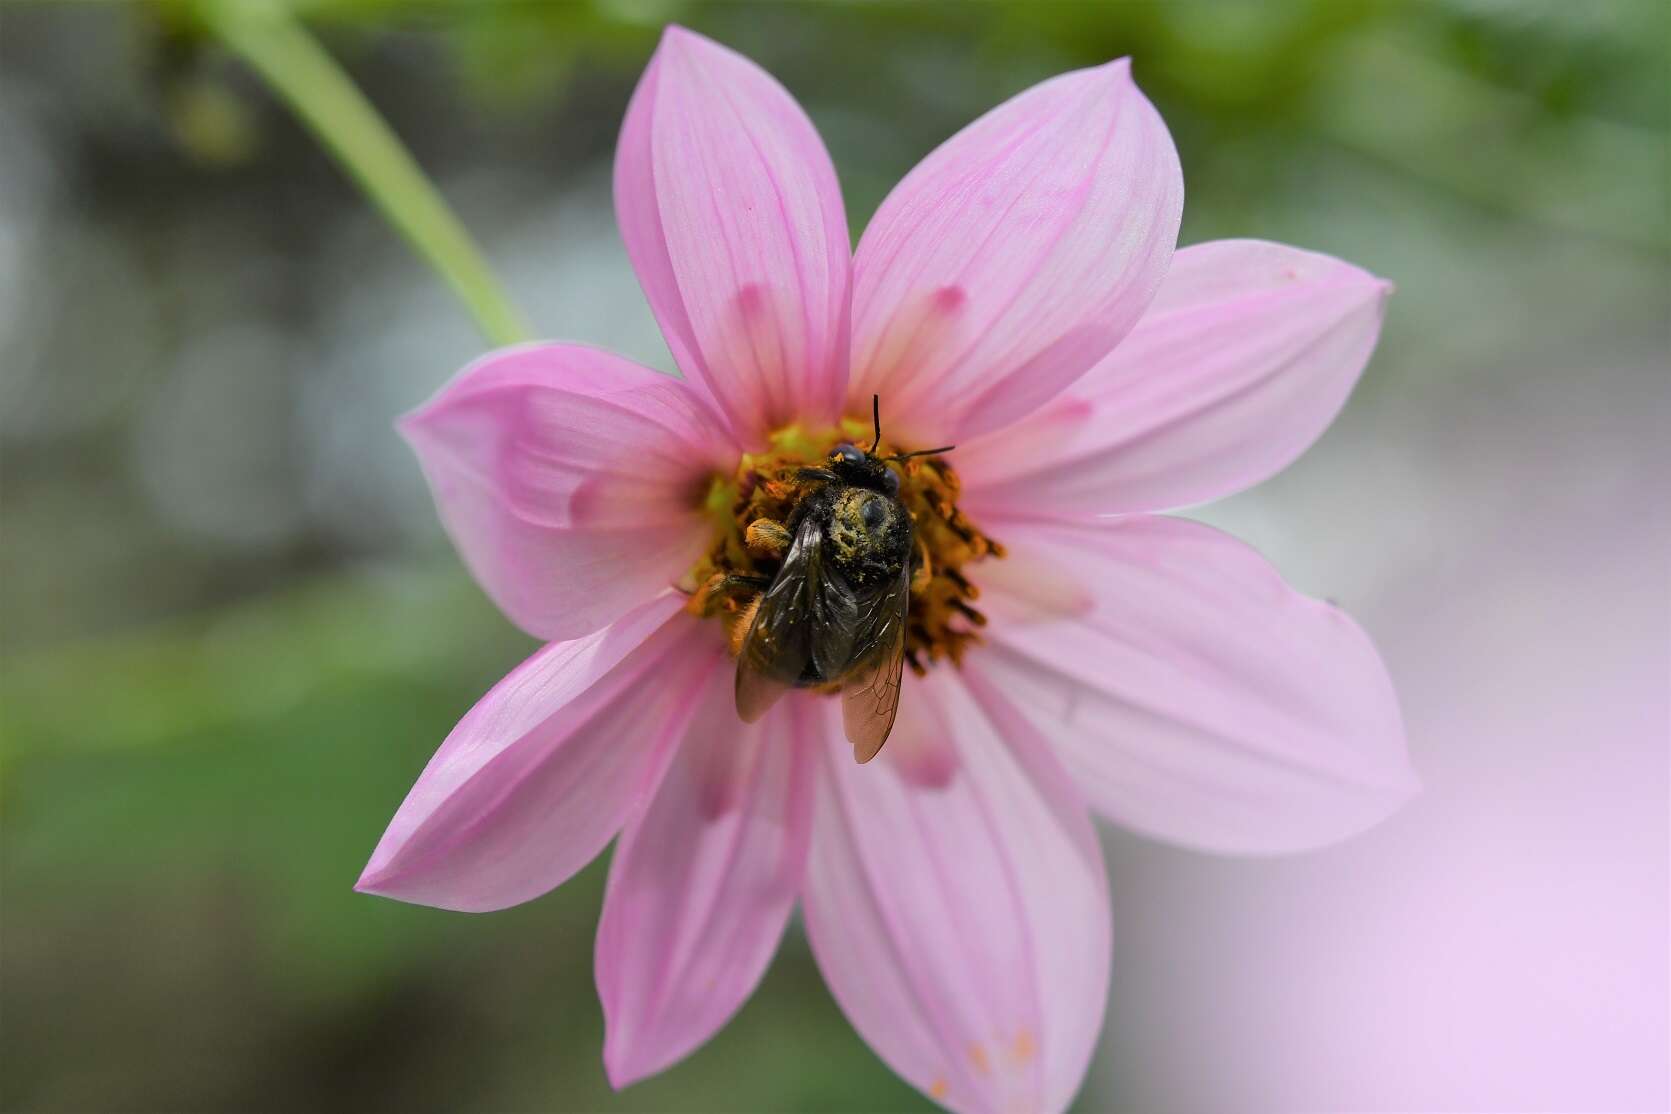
point(1201, 699)
point(963, 927)
point(731, 214)
point(702, 884)
point(570, 480)
point(1246, 356)
point(540, 774)
point(1054, 217)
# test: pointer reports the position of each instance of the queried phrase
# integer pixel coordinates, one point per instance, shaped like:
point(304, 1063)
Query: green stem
point(267, 37)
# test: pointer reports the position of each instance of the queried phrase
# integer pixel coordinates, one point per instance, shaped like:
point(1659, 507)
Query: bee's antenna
point(921, 452)
point(876, 420)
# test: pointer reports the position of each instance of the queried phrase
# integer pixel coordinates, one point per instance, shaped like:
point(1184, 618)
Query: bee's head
point(847, 454)
point(856, 466)
point(864, 468)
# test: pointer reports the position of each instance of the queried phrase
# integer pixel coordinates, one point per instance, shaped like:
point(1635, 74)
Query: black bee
point(834, 614)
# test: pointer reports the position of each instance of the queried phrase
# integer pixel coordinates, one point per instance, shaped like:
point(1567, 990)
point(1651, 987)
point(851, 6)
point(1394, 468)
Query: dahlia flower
point(1018, 296)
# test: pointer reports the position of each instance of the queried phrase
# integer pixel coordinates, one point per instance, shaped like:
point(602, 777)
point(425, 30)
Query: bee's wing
point(756, 693)
point(870, 693)
point(807, 618)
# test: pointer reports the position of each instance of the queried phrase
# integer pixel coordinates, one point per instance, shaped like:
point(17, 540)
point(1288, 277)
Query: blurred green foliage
point(200, 750)
point(1548, 110)
point(224, 782)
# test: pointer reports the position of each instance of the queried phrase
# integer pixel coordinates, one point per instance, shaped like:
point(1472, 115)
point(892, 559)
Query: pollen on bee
point(751, 511)
point(740, 620)
point(767, 538)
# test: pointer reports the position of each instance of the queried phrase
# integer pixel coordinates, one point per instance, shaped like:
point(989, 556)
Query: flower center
point(750, 508)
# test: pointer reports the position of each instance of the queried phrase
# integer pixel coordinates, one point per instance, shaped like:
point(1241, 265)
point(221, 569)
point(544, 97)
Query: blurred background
point(233, 634)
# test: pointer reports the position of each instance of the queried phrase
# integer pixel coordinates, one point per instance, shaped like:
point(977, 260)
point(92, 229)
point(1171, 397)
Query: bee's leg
point(823, 474)
point(768, 539)
point(741, 624)
point(721, 590)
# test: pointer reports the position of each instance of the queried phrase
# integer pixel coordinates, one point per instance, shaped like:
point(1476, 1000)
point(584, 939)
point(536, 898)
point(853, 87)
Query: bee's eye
point(890, 480)
point(847, 454)
point(873, 513)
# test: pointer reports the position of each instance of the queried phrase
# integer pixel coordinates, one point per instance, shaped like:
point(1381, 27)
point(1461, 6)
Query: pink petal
point(571, 481)
point(964, 929)
point(1201, 699)
point(541, 773)
point(1014, 257)
point(732, 217)
point(1245, 357)
point(702, 884)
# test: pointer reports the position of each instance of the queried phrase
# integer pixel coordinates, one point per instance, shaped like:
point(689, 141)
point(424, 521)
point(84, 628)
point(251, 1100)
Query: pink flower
point(1017, 295)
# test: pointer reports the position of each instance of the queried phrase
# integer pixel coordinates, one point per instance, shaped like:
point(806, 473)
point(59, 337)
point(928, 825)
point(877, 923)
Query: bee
point(834, 613)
